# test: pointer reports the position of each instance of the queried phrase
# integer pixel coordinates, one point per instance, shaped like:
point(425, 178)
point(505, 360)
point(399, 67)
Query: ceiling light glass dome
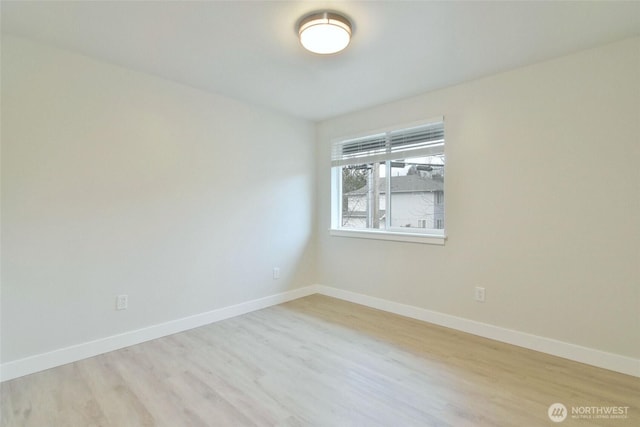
point(324, 32)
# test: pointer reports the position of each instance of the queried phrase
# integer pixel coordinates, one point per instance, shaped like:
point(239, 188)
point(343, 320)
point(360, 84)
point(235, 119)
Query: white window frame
point(415, 235)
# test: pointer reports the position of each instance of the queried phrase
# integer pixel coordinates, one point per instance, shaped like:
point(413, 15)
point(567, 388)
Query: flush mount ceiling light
point(324, 32)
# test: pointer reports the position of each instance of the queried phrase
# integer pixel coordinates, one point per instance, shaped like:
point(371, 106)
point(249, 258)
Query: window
point(391, 182)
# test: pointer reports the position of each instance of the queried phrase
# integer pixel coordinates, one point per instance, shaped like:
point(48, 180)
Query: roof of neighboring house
point(364, 214)
point(405, 184)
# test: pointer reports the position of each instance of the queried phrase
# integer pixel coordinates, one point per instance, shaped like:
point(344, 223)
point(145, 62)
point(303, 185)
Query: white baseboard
point(40, 362)
point(614, 362)
point(62, 356)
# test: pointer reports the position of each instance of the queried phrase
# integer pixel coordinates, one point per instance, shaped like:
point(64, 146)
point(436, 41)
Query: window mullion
point(337, 185)
point(387, 200)
point(387, 190)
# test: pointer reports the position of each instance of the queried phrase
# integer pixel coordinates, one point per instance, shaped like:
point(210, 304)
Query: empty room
point(320, 213)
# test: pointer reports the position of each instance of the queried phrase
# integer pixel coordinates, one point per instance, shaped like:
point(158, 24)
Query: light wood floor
point(316, 361)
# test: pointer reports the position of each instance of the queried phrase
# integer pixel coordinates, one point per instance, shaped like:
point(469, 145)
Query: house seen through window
point(391, 182)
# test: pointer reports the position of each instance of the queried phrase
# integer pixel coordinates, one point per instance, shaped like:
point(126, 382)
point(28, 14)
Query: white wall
point(542, 203)
point(117, 182)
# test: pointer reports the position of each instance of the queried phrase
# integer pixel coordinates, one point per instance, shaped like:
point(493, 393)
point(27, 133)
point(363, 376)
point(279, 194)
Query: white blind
point(423, 140)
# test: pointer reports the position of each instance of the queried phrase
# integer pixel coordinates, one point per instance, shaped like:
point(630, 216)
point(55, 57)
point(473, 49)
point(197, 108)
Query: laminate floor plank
point(317, 361)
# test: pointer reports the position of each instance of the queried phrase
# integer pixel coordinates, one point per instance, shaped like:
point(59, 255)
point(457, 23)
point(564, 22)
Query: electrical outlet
point(276, 273)
point(479, 294)
point(122, 302)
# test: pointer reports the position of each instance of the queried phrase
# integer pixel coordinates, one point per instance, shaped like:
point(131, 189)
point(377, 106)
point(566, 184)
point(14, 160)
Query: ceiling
point(249, 50)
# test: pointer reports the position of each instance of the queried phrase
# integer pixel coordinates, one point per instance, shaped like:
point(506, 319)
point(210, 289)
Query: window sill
point(429, 239)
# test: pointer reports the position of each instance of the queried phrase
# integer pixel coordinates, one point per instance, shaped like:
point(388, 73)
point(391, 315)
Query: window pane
point(363, 205)
point(417, 192)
